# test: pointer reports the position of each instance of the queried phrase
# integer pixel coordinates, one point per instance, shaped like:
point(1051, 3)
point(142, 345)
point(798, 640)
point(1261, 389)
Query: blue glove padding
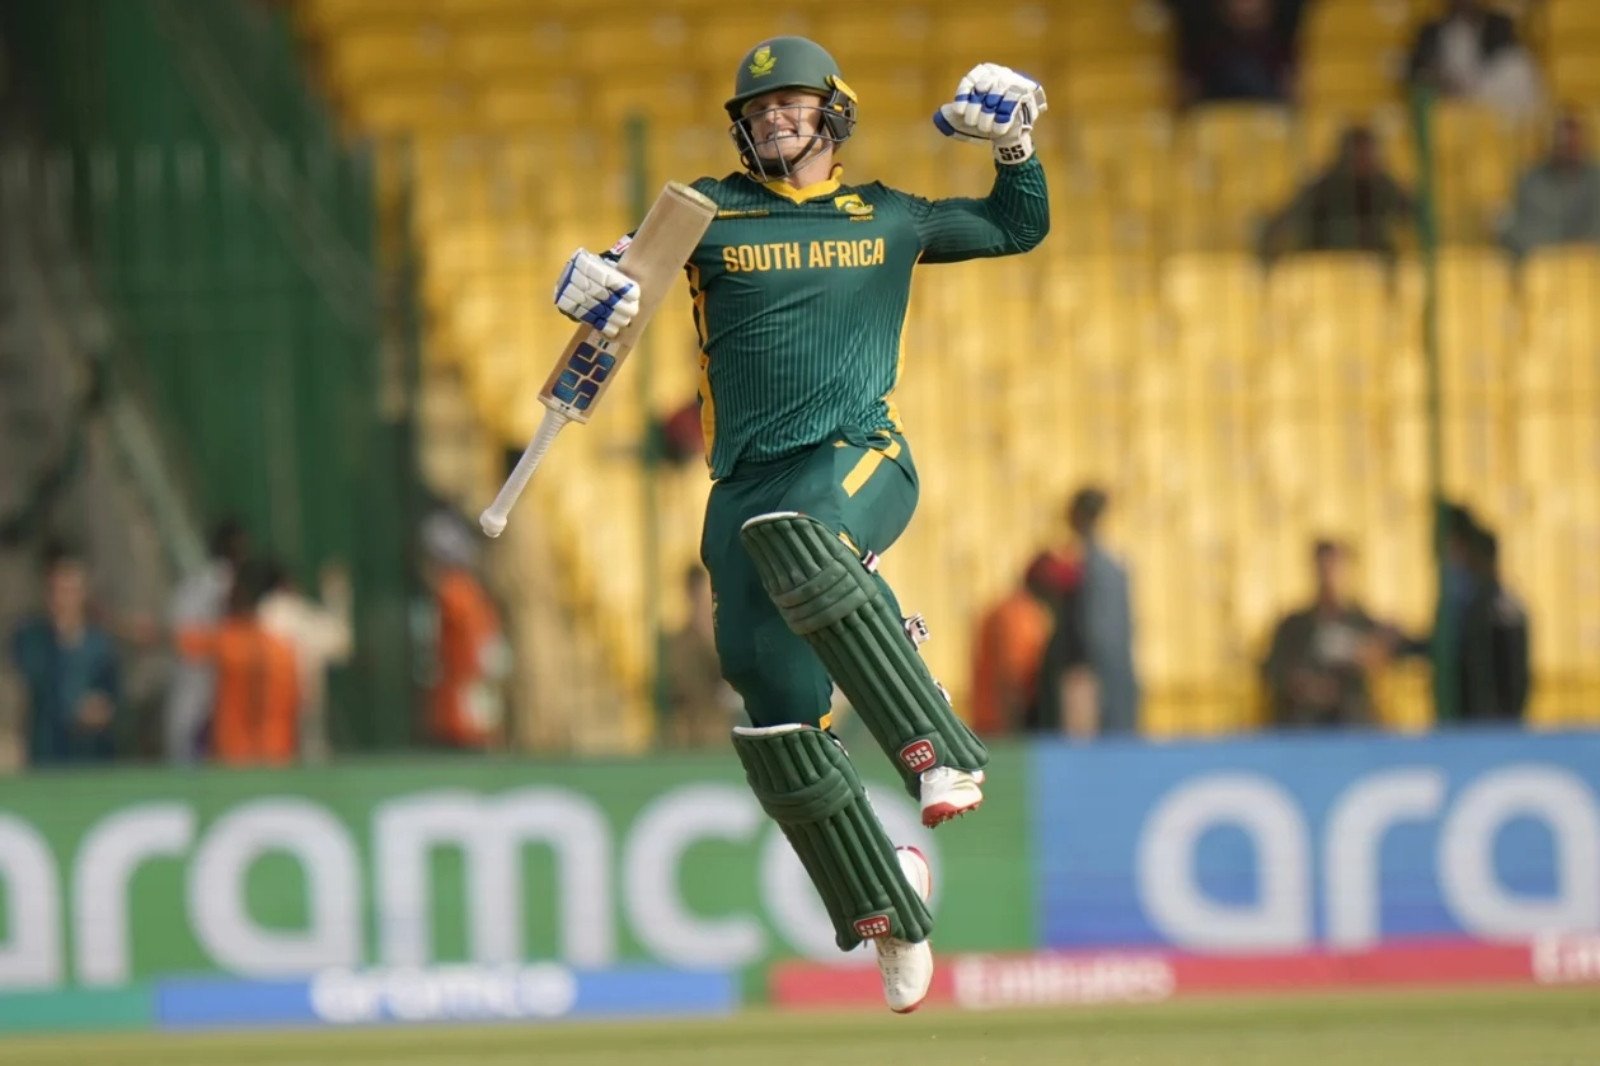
point(997, 105)
point(593, 291)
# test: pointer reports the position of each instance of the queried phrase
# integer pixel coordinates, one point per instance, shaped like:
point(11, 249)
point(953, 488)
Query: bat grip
point(493, 519)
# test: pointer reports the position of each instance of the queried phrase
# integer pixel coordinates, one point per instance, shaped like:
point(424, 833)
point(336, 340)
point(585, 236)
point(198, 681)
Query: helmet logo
point(762, 63)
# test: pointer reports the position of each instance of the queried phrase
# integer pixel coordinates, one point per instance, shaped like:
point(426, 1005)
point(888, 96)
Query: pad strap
point(807, 784)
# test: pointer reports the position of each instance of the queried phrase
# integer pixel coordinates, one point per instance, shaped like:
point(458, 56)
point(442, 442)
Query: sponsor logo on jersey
point(852, 205)
point(795, 255)
point(763, 62)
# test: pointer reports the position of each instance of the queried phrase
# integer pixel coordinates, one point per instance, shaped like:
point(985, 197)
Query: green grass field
point(1527, 1027)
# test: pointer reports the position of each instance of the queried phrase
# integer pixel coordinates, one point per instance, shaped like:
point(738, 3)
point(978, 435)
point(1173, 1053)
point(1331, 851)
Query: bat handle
point(493, 519)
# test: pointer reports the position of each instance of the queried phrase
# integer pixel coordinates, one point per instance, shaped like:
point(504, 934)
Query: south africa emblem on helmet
point(762, 63)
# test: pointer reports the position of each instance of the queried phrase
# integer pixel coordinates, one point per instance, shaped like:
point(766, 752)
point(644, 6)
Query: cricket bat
point(663, 243)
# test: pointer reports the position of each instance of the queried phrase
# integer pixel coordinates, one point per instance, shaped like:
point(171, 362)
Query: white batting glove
point(595, 292)
point(997, 105)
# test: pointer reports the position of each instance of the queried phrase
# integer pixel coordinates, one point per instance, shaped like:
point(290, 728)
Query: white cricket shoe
point(949, 793)
point(907, 968)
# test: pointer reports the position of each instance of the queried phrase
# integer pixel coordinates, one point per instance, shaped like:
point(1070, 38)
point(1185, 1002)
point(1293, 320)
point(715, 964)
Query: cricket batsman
point(800, 289)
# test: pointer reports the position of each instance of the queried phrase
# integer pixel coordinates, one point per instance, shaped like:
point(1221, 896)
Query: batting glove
point(595, 292)
point(994, 104)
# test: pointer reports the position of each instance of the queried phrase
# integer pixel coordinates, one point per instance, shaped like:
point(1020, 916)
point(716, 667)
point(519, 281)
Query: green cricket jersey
point(800, 296)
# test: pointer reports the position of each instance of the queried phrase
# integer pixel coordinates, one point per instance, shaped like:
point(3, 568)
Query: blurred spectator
point(1353, 206)
point(700, 705)
point(257, 710)
point(466, 704)
point(1472, 52)
point(680, 436)
point(1236, 49)
point(68, 667)
point(319, 633)
point(1457, 590)
point(1316, 671)
point(1090, 687)
point(1008, 654)
point(1495, 675)
point(1558, 200)
point(198, 602)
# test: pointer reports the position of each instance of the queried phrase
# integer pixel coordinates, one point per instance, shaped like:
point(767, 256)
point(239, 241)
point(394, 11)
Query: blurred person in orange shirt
point(256, 717)
point(1008, 655)
point(466, 703)
point(319, 633)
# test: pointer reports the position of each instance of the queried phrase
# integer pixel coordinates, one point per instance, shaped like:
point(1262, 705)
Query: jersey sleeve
point(1013, 218)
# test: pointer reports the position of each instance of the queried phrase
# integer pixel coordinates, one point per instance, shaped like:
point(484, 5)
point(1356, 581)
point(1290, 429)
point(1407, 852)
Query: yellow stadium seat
point(1235, 167)
point(1576, 75)
point(1477, 333)
point(1125, 160)
point(419, 54)
point(1475, 154)
point(416, 109)
point(509, 107)
point(1216, 303)
point(339, 16)
point(891, 95)
point(1356, 25)
point(662, 94)
point(1562, 321)
point(514, 12)
point(1013, 34)
point(1329, 317)
point(1351, 79)
point(721, 41)
point(1571, 20)
point(1477, 317)
point(1561, 278)
point(1116, 86)
point(652, 41)
point(532, 53)
point(1089, 29)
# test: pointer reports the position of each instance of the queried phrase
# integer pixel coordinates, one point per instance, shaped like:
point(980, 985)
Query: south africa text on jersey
point(793, 255)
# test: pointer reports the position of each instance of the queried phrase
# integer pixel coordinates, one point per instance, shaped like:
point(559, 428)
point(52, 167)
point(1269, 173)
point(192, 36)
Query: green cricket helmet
point(790, 63)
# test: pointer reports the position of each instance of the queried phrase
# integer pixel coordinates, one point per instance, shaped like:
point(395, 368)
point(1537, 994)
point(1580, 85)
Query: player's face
point(783, 122)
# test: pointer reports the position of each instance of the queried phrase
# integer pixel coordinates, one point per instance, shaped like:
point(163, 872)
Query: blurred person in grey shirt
point(1558, 199)
point(1090, 686)
point(198, 602)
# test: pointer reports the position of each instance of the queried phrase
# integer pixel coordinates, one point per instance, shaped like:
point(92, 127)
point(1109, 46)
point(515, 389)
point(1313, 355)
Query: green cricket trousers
point(864, 489)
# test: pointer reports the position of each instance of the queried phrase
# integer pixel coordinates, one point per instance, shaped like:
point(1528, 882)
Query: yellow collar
point(782, 187)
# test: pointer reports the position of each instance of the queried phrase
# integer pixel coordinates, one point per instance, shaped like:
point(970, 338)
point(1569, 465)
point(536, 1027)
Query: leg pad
point(808, 785)
point(828, 597)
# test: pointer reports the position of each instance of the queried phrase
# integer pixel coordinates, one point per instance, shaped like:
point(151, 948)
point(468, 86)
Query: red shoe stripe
point(940, 813)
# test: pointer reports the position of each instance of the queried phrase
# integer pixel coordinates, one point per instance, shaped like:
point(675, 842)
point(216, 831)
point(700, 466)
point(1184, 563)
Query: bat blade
point(664, 241)
point(589, 362)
